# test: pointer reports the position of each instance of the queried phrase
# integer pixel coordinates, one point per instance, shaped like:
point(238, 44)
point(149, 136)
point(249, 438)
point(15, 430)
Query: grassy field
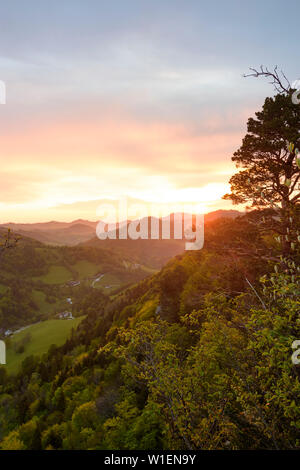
point(60, 274)
point(44, 307)
point(108, 280)
point(86, 268)
point(42, 336)
point(55, 275)
point(40, 298)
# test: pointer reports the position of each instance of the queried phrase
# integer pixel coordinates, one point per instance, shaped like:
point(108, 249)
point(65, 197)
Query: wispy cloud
point(139, 98)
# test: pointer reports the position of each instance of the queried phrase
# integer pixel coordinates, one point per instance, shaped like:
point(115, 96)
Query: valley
point(47, 287)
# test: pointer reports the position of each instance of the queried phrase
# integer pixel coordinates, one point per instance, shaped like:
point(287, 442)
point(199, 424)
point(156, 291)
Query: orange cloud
point(66, 161)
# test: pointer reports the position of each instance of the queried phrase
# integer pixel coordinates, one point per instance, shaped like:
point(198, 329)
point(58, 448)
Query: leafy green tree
point(52, 437)
point(12, 442)
point(270, 382)
point(270, 163)
point(191, 389)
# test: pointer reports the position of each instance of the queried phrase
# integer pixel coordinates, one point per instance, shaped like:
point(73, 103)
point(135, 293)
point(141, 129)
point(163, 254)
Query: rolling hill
point(79, 231)
point(36, 279)
point(56, 233)
point(189, 358)
point(154, 253)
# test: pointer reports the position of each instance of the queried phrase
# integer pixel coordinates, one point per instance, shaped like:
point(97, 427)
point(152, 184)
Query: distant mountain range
point(81, 231)
point(228, 214)
point(56, 233)
point(153, 252)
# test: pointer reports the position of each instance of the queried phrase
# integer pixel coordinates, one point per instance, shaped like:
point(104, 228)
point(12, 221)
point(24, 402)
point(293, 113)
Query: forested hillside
point(198, 356)
point(36, 279)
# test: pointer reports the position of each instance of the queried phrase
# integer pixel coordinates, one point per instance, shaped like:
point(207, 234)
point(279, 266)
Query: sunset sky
point(130, 98)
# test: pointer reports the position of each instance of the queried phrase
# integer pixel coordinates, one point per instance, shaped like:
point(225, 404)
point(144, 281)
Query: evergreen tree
point(270, 174)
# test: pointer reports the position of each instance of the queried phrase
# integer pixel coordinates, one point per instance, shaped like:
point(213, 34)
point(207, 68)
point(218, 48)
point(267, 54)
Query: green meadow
point(55, 275)
point(44, 307)
point(108, 280)
point(42, 335)
point(86, 268)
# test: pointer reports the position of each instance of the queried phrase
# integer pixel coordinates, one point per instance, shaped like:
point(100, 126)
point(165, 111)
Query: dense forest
point(197, 355)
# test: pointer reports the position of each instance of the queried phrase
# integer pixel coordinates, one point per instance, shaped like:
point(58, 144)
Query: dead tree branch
point(278, 79)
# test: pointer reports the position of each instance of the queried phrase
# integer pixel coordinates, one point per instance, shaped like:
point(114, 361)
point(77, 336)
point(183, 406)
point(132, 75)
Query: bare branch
point(278, 80)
